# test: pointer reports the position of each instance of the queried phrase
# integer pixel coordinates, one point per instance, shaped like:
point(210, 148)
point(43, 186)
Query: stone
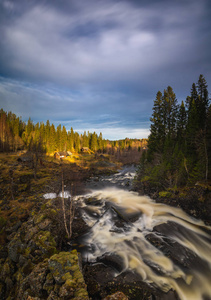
point(116, 296)
point(37, 278)
point(14, 249)
point(59, 264)
point(45, 224)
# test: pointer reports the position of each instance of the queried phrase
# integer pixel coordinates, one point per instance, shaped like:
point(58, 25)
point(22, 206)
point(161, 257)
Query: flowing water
point(165, 246)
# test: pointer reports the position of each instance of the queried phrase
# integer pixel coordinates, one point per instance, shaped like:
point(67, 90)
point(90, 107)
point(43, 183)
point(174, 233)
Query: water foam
point(140, 217)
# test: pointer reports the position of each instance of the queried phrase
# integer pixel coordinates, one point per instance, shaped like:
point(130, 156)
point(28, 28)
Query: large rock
point(58, 277)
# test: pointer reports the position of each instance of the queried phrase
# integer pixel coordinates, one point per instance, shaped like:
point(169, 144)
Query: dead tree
point(71, 210)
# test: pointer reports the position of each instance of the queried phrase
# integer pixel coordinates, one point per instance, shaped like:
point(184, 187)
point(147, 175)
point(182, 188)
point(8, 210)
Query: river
point(161, 244)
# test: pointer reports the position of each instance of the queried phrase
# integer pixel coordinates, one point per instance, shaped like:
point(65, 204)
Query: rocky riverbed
point(132, 244)
point(37, 261)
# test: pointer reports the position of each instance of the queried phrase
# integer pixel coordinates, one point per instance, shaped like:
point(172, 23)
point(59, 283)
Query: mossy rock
point(45, 224)
point(59, 265)
point(28, 267)
point(65, 270)
point(15, 247)
point(5, 271)
point(81, 294)
point(31, 231)
point(49, 283)
point(45, 242)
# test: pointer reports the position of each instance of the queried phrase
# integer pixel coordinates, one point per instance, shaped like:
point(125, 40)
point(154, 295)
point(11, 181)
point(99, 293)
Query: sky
point(96, 65)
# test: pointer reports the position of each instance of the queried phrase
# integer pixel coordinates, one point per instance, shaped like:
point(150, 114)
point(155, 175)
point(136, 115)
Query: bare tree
point(71, 209)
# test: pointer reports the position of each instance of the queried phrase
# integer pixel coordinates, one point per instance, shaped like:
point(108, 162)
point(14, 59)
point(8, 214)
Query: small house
point(85, 149)
point(60, 155)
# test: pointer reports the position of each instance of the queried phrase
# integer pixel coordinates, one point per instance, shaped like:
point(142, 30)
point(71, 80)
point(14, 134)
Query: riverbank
point(194, 200)
point(35, 261)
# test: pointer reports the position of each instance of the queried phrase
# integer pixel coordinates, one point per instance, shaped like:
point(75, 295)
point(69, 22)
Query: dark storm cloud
point(79, 60)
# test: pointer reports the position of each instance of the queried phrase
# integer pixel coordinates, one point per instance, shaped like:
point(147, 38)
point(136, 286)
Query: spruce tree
point(203, 101)
point(85, 140)
point(77, 144)
point(52, 139)
point(208, 140)
point(100, 142)
point(93, 142)
point(71, 139)
point(64, 139)
point(58, 137)
point(157, 134)
point(181, 124)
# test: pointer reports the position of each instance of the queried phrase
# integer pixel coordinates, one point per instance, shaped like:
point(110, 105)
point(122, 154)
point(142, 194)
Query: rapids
point(165, 246)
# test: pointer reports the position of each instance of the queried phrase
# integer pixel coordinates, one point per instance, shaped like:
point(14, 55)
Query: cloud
point(100, 42)
point(100, 62)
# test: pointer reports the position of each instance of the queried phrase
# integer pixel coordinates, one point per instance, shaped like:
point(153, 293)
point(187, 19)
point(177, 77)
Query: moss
point(201, 199)
point(67, 276)
point(56, 288)
point(46, 243)
point(53, 212)
point(27, 251)
point(18, 276)
point(74, 268)
point(49, 203)
point(165, 194)
point(5, 270)
point(49, 283)
point(59, 265)
point(63, 258)
point(81, 294)
point(2, 222)
point(39, 218)
point(70, 283)
point(145, 178)
point(182, 195)
point(51, 251)
point(74, 256)
point(43, 207)
point(78, 276)
point(45, 239)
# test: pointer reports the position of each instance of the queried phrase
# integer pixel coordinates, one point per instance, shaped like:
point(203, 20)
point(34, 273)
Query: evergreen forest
point(179, 144)
point(16, 134)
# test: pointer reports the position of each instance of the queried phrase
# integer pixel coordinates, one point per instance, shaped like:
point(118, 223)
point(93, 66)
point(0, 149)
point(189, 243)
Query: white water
point(54, 195)
point(192, 281)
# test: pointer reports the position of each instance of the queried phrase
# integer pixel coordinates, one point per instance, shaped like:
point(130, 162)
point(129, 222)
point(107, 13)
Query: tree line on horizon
point(17, 135)
point(179, 144)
